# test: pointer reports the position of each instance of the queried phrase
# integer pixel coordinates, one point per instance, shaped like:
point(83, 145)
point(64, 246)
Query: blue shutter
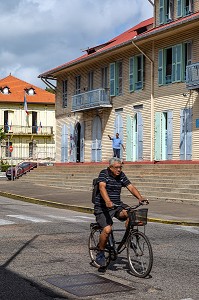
point(131, 75)
point(140, 135)
point(112, 79)
point(179, 8)
point(72, 144)
point(96, 147)
point(82, 142)
point(161, 11)
point(177, 63)
point(129, 148)
point(64, 143)
point(170, 135)
point(157, 136)
point(160, 67)
point(189, 134)
point(182, 134)
point(143, 66)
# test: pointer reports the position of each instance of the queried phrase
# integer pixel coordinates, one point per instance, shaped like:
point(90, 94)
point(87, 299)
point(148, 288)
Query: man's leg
point(114, 152)
point(105, 221)
point(118, 153)
point(103, 239)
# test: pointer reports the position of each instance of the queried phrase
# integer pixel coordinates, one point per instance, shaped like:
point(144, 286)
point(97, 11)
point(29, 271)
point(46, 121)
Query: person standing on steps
point(117, 143)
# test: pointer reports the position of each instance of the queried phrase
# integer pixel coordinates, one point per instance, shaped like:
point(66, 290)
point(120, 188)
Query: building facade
point(27, 116)
point(143, 84)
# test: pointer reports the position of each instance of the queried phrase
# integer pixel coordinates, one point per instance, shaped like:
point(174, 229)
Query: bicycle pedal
point(102, 269)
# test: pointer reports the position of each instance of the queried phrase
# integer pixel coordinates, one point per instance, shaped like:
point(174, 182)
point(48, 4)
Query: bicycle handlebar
point(143, 202)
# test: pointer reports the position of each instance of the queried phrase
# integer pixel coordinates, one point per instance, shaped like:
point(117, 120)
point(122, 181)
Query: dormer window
point(5, 90)
point(30, 91)
point(166, 11)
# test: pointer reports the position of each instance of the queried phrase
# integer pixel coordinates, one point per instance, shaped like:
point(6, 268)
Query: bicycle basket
point(138, 217)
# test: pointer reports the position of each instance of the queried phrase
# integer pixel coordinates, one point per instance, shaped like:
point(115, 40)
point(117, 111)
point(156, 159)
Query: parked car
point(20, 169)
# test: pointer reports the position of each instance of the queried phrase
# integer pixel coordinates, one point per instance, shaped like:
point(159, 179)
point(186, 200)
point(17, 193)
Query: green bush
point(4, 167)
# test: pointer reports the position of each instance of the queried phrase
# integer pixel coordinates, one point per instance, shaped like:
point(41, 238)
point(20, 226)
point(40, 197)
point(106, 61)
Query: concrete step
point(177, 182)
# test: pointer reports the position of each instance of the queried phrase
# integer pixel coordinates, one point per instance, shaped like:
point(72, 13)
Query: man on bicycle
point(111, 181)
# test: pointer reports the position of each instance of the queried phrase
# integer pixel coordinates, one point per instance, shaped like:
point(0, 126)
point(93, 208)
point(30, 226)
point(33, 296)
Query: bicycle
point(139, 250)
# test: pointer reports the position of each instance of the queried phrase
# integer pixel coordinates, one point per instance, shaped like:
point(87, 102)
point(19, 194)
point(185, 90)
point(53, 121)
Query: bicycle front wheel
point(139, 254)
point(93, 248)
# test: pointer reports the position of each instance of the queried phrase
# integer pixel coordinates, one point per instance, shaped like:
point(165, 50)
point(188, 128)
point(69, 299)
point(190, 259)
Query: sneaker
point(100, 259)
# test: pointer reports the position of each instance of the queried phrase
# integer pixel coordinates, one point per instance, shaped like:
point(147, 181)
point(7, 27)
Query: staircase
point(174, 182)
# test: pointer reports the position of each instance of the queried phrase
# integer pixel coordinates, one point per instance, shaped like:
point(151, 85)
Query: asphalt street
point(182, 213)
point(45, 247)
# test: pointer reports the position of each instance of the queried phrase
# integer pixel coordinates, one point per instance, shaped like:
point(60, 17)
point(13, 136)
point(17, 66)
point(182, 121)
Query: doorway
point(96, 146)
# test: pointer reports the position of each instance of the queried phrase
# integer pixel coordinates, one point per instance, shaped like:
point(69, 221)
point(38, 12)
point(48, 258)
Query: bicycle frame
point(112, 242)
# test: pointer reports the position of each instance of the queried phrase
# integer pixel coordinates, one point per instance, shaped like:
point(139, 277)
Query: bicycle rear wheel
point(139, 254)
point(93, 248)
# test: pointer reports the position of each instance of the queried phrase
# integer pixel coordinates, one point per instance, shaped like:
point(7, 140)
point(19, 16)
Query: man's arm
point(135, 192)
point(109, 137)
point(104, 194)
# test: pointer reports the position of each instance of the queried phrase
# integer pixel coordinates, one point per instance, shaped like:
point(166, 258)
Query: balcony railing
point(21, 130)
point(192, 76)
point(92, 99)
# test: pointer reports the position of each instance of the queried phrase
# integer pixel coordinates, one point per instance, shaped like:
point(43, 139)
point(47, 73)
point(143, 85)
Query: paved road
point(186, 213)
point(43, 243)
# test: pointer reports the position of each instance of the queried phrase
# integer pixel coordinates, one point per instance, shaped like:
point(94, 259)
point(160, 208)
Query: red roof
point(17, 87)
point(122, 39)
point(118, 40)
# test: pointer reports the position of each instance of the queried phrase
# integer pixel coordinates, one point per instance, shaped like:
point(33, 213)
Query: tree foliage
point(2, 134)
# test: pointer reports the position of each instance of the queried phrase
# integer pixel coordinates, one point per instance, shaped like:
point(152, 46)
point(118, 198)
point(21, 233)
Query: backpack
point(95, 188)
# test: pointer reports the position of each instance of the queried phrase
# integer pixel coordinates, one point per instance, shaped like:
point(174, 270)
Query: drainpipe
point(152, 97)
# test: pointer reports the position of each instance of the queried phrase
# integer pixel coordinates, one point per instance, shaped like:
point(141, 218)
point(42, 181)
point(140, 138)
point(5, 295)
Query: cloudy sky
point(38, 35)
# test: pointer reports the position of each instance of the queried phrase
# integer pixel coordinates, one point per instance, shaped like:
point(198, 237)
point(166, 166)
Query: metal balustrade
point(91, 99)
point(38, 130)
point(192, 76)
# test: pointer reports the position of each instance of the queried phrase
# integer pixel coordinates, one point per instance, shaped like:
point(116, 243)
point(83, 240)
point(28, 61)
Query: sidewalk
point(159, 211)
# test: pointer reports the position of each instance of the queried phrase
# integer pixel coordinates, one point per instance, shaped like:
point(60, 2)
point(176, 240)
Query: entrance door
point(77, 141)
point(96, 147)
point(118, 128)
point(164, 135)
point(129, 139)
point(137, 137)
point(64, 143)
point(186, 134)
point(134, 142)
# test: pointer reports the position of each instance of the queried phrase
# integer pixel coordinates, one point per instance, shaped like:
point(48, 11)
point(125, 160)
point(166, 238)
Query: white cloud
point(40, 35)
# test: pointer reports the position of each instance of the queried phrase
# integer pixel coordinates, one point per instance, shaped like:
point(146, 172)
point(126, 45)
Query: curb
point(86, 209)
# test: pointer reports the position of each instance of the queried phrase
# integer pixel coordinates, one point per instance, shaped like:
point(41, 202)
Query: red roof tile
point(17, 86)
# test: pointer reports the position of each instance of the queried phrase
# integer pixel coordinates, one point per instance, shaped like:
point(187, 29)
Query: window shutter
point(131, 77)
point(112, 79)
point(179, 8)
point(177, 63)
point(161, 12)
point(119, 78)
point(189, 53)
point(160, 67)
point(142, 62)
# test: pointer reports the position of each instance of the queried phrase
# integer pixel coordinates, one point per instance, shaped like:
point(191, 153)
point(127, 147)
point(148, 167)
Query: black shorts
point(105, 218)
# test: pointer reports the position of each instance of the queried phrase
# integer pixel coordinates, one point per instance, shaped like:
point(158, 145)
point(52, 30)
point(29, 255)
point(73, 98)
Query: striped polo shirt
point(113, 187)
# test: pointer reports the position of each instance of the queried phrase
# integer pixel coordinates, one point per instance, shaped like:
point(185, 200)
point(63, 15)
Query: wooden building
point(143, 84)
